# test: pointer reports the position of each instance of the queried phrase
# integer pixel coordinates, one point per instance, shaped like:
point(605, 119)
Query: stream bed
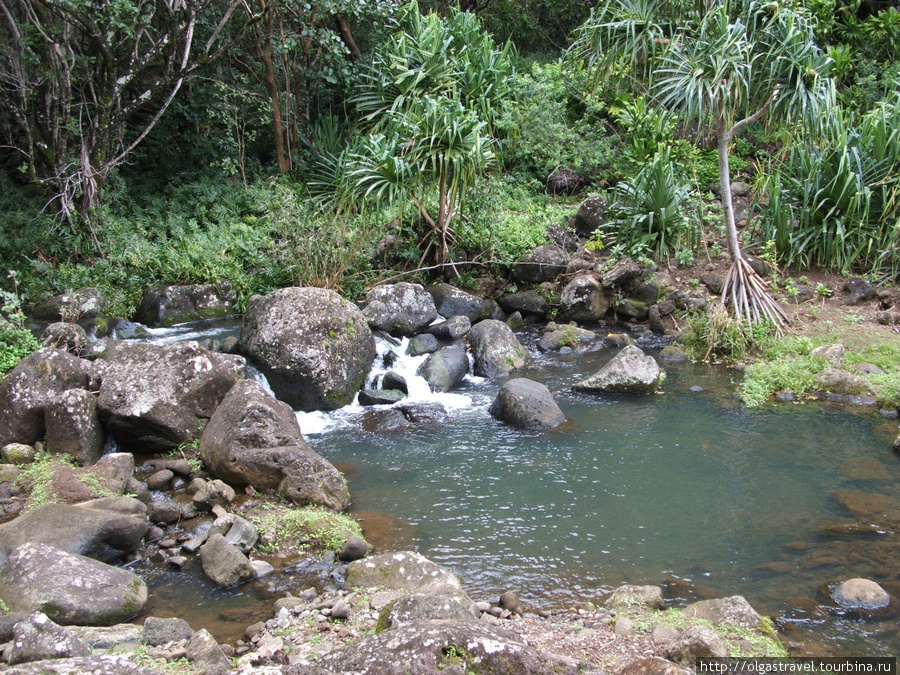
point(686, 489)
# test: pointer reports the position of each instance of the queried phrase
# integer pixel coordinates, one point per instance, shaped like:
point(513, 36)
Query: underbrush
point(283, 528)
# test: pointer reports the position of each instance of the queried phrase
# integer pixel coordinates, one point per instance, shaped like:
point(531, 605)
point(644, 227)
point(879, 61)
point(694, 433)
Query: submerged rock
point(629, 372)
point(860, 594)
point(314, 347)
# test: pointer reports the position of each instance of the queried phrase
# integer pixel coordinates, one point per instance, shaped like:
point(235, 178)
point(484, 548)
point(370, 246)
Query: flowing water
point(685, 488)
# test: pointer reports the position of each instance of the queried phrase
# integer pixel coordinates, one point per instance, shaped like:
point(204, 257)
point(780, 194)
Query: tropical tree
point(429, 104)
point(83, 82)
point(721, 66)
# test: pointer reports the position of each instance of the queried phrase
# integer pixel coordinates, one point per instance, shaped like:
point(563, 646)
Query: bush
point(718, 334)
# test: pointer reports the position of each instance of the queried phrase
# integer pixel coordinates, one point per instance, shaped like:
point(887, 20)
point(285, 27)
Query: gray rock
point(623, 273)
point(454, 328)
point(158, 397)
point(408, 417)
point(654, 666)
point(356, 548)
point(696, 642)
point(160, 480)
point(858, 292)
point(556, 337)
point(445, 369)
point(443, 604)
point(224, 563)
point(340, 611)
point(643, 596)
point(405, 570)
point(26, 389)
point(654, 317)
point(314, 347)
point(495, 348)
point(106, 529)
point(860, 594)
point(206, 653)
point(433, 648)
point(714, 282)
point(674, 354)
point(38, 638)
point(629, 372)
point(451, 301)
point(510, 602)
point(393, 380)
point(526, 404)
point(107, 637)
point(158, 631)
point(73, 427)
point(583, 299)
point(624, 626)
point(369, 397)
point(261, 568)
point(646, 293)
point(213, 493)
point(734, 610)
point(834, 354)
point(172, 304)
point(237, 531)
point(164, 511)
point(69, 588)
point(399, 309)
point(632, 309)
point(591, 215)
point(105, 664)
point(18, 453)
point(841, 382)
point(8, 622)
point(545, 263)
point(525, 302)
point(423, 344)
point(253, 439)
point(84, 303)
point(69, 337)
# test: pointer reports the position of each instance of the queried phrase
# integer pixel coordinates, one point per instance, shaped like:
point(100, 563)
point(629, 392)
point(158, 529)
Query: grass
point(310, 527)
point(39, 476)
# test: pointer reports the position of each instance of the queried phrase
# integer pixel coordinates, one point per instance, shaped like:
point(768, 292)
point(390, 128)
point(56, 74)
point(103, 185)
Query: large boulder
point(254, 439)
point(495, 348)
point(590, 216)
point(584, 299)
point(452, 301)
point(445, 369)
point(399, 309)
point(69, 337)
point(545, 263)
point(525, 302)
point(73, 427)
point(84, 303)
point(69, 588)
point(445, 604)
point(172, 304)
point(314, 347)
point(27, 388)
point(106, 529)
point(402, 571)
point(437, 647)
point(628, 372)
point(155, 398)
point(630, 595)
point(527, 404)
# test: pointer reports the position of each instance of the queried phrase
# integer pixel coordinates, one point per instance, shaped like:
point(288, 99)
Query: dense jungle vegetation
point(276, 142)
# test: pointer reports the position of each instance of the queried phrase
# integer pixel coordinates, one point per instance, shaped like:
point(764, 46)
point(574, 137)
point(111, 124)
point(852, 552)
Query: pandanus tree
point(722, 66)
point(428, 104)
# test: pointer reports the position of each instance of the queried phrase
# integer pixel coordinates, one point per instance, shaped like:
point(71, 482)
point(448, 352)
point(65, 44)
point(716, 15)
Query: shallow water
point(685, 488)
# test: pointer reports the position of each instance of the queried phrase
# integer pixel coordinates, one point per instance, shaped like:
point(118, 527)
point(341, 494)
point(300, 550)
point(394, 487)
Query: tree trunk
point(264, 47)
point(724, 138)
point(347, 38)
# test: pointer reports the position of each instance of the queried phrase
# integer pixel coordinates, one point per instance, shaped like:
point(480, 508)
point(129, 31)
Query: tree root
point(749, 297)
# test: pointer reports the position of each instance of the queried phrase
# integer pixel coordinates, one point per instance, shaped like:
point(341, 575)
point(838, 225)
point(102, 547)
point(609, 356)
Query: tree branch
point(758, 115)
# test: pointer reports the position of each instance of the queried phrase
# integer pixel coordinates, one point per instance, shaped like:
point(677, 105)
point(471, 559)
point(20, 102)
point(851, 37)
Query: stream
point(686, 489)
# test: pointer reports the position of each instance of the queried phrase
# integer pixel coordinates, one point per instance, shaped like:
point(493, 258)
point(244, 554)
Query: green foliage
point(716, 334)
point(547, 123)
point(648, 212)
point(647, 126)
point(15, 341)
point(37, 478)
point(309, 526)
point(837, 203)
